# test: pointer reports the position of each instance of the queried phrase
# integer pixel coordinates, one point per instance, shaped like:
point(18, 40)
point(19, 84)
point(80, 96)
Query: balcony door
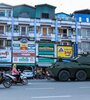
point(23, 30)
point(44, 31)
point(1, 29)
point(63, 32)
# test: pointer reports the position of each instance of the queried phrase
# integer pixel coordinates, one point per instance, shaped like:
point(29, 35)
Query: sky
point(66, 6)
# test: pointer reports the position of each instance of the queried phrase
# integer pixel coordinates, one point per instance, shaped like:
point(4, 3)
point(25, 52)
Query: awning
point(44, 64)
point(26, 65)
point(5, 65)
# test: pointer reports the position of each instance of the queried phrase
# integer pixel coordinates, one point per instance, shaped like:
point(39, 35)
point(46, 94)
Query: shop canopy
point(43, 64)
point(5, 65)
point(25, 65)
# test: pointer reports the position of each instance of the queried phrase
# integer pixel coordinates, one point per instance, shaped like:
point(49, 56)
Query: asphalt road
point(47, 90)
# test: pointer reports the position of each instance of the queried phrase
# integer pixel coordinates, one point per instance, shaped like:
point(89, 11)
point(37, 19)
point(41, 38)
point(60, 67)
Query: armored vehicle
point(73, 69)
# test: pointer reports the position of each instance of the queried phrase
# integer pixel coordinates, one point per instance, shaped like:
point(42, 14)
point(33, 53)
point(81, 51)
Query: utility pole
point(35, 35)
point(12, 18)
point(76, 39)
point(56, 30)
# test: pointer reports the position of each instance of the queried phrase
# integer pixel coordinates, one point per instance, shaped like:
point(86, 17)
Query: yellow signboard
point(64, 51)
point(23, 46)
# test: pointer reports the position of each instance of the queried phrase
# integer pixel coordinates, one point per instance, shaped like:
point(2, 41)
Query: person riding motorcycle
point(15, 72)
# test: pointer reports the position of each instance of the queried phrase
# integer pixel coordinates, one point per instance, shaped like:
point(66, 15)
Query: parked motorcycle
point(5, 81)
point(22, 79)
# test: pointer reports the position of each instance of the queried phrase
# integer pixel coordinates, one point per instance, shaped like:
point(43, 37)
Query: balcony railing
point(3, 34)
point(86, 37)
point(62, 36)
point(1, 31)
point(45, 37)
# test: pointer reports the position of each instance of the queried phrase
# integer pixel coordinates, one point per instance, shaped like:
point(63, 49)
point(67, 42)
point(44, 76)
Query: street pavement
point(47, 90)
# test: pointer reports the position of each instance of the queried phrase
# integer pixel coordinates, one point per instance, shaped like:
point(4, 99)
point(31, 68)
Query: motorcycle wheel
point(48, 78)
point(7, 83)
point(24, 81)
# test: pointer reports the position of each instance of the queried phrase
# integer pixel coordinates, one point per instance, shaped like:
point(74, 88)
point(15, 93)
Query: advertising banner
point(64, 51)
point(23, 51)
point(5, 55)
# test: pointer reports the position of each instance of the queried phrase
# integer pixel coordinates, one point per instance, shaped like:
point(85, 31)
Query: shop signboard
point(46, 50)
point(24, 59)
point(23, 51)
point(5, 56)
point(64, 51)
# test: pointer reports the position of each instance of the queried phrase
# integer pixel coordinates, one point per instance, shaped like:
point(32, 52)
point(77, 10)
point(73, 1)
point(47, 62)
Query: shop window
point(8, 43)
point(87, 19)
point(23, 30)
point(85, 46)
point(39, 30)
point(45, 15)
point(31, 29)
point(2, 43)
point(8, 28)
point(88, 33)
point(64, 32)
point(8, 13)
point(16, 28)
point(2, 13)
point(83, 33)
point(50, 30)
point(80, 19)
point(64, 43)
point(60, 31)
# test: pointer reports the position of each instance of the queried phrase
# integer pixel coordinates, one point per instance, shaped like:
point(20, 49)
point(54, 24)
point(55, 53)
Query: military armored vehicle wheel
point(81, 75)
point(64, 75)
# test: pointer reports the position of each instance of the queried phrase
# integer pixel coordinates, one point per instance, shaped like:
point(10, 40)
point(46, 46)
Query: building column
point(12, 33)
point(35, 33)
point(56, 30)
point(76, 40)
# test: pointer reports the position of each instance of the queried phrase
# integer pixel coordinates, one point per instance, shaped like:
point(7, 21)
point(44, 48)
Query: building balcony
point(25, 21)
point(74, 38)
point(8, 34)
point(85, 38)
point(3, 35)
point(69, 38)
point(64, 37)
point(81, 51)
point(47, 22)
point(28, 34)
point(50, 37)
point(5, 20)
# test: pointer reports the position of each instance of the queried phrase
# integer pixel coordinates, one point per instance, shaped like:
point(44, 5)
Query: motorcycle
point(5, 81)
point(48, 76)
point(22, 79)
